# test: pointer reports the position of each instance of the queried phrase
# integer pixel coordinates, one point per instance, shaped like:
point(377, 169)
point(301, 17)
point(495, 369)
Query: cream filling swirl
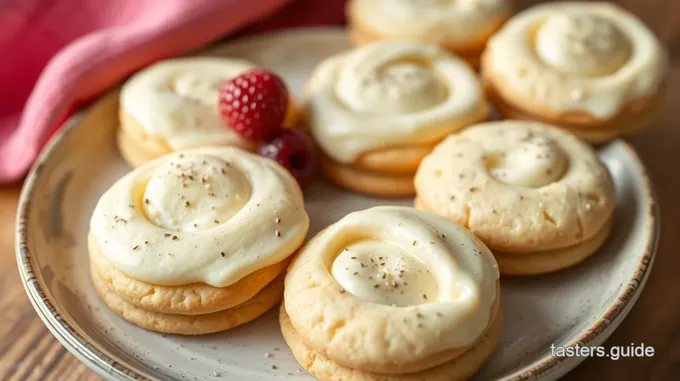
point(450, 21)
point(177, 100)
point(212, 215)
point(390, 93)
point(384, 273)
point(582, 44)
point(587, 57)
point(535, 161)
point(190, 195)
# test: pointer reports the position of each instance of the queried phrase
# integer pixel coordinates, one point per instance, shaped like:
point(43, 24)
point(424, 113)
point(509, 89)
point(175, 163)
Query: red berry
point(254, 104)
point(295, 150)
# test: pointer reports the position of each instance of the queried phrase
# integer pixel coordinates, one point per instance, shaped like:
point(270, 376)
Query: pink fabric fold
point(61, 53)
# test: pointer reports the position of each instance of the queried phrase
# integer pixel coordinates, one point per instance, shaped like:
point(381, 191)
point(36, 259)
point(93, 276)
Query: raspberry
point(254, 104)
point(295, 150)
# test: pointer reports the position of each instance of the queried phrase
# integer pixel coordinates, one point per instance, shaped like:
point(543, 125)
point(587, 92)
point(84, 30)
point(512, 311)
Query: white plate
point(579, 305)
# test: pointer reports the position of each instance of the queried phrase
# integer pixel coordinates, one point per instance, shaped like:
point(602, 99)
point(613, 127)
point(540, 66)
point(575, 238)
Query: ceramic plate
point(579, 305)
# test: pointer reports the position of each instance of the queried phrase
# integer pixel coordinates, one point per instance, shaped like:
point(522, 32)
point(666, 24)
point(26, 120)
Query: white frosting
point(381, 272)
point(535, 161)
point(212, 215)
point(588, 57)
point(427, 261)
point(188, 195)
point(177, 100)
point(450, 21)
point(582, 44)
point(390, 93)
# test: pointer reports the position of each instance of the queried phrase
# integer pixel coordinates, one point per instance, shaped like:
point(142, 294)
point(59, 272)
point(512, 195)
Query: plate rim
point(104, 365)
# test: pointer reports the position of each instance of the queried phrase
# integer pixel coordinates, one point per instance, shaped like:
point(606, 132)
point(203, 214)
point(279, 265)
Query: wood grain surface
point(29, 352)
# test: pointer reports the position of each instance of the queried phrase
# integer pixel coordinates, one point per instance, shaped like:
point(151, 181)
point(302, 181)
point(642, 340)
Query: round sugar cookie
point(592, 68)
point(392, 290)
point(377, 110)
point(518, 186)
point(523, 188)
point(462, 27)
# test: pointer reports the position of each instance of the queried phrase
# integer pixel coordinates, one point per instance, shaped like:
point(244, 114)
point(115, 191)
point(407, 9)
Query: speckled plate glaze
point(579, 305)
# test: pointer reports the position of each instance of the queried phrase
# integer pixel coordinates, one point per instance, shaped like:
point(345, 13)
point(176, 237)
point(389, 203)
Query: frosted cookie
point(392, 293)
point(462, 27)
point(591, 68)
point(537, 196)
point(196, 235)
point(378, 110)
point(173, 105)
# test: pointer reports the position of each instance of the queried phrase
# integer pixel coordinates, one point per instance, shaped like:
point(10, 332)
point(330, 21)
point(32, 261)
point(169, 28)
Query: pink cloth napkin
point(61, 53)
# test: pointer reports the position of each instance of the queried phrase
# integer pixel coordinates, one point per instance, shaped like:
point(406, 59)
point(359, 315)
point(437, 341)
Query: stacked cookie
point(378, 110)
point(591, 68)
point(536, 195)
point(392, 293)
point(195, 242)
point(173, 105)
point(462, 27)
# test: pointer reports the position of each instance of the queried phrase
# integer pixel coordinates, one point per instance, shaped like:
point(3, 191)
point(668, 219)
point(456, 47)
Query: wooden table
point(29, 352)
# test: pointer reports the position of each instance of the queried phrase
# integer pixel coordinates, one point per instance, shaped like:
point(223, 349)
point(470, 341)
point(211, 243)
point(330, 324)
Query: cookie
point(173, 105)
point(591, 68)
point(526, 189)
point(392, 290)
point(378, 110)
point(203, 324)
point(462, 27)
point(541, 262)
point(461, 368)
point(367, 182)
point(195, 233)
